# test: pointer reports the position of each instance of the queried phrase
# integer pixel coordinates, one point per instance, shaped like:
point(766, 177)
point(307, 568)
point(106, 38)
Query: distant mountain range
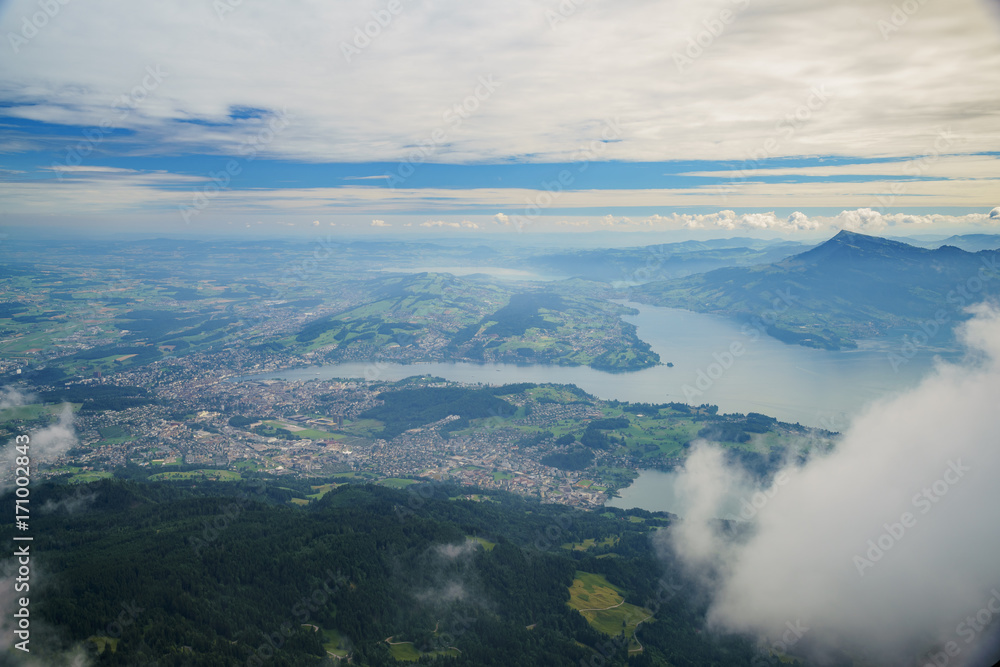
point(851, 287)
point(631, 266)
point(968, 242)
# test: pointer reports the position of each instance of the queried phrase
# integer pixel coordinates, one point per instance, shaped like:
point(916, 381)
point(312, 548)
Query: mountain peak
point(849, 246)
point(855, 238)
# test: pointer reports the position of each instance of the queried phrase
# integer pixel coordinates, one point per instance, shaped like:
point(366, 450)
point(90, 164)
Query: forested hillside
point(224, 574)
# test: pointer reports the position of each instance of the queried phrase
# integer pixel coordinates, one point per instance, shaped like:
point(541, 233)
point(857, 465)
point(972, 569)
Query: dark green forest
point(231, 574)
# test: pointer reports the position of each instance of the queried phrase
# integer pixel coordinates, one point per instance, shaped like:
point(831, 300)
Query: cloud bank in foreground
point(887, 546)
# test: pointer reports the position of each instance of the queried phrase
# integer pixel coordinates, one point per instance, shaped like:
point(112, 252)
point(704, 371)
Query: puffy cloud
point(11, 397)
point(464, 224)
point(380, 223)
point(501, 219)
point(995, 213)
point(863, 220)
point(612, 221)
point(882, 546)
point(730, 220)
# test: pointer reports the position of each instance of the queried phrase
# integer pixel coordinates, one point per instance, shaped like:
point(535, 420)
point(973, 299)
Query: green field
point(28, 412)
point(103, 643)
point(309, 433)
point(90, 476)
point(334, 643)
point(322, 490)
point(590, 543)
point(407, 652)
point(397, 483)
point(486, 543)
point(214, 475)
point(404, 651)
point(603, 605)
point(113, 432)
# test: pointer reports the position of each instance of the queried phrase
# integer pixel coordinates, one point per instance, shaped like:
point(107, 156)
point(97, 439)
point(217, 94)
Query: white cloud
point(728, 103)
point(464, 224)
point(125, 193)
point(995, 213)
point(863, 220)
point(882, 545)
point(48, 443)
point(12, 397)
point(931, 163)
point(612, 221)
point(380, 223)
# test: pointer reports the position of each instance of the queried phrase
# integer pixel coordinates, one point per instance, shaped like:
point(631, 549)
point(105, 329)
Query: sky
point(391, 117)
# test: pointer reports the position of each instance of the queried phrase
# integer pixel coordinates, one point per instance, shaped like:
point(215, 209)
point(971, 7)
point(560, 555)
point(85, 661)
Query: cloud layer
point(886, 546)
point(559, 71)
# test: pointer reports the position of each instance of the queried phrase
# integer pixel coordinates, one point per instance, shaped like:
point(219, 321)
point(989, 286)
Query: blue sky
point(771, 117)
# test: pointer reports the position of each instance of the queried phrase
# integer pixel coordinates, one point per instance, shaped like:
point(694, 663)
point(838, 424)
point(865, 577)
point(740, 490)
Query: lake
point(792, 383)
point(656, 491)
